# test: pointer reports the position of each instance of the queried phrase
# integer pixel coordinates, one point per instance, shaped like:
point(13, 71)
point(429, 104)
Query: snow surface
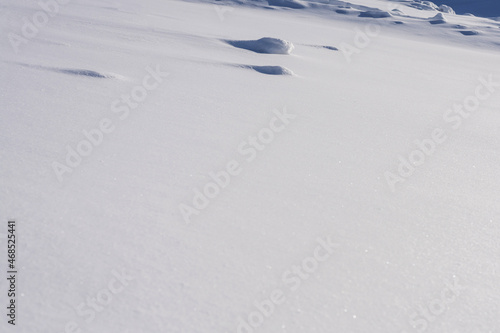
point(301, 231)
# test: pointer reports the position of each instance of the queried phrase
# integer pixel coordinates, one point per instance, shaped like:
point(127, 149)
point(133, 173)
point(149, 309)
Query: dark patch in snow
point(82, 72)
point(332, 48)
point(469, 32)
point(328, 47)
point(344, 11)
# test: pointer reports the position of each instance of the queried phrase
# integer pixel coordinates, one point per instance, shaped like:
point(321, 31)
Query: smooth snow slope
point(302, 160)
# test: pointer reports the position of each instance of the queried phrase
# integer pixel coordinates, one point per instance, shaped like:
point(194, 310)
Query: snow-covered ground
point(251, 166)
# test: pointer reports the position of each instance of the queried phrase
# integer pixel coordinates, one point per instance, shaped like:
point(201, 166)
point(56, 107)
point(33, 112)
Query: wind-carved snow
point(271, 70)
point(73, 71)
point(295, 4)
point(82, 72)
point(345, 11)
point(375, 14)
point(331, 48)
point(469, 32)
point(424, 5)
point(265, 45)
point(438, 19)
point(446, 9)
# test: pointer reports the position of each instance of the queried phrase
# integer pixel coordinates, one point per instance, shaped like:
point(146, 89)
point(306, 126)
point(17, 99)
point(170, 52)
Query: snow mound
point(295, 4)
point(446, 9)
point(375, 14)
point(272, 70)
point(265, 45)
point(438, 19)
point(424, 5)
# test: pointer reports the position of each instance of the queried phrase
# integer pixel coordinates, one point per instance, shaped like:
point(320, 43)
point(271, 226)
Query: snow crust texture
point(267, 166)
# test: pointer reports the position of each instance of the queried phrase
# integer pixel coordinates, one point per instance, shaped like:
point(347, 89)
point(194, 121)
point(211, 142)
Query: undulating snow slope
point(166, 176)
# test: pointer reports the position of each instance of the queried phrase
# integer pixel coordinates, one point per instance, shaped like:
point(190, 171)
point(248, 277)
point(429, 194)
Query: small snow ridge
point(83, 72)
point(74, 71)
point(375, 14)
point(265, 45)
point(469, 32)
point(438, 19)
point(346, 10)
point(295, 4)
point(271, 70)
point(397, 11)
point(327, 47)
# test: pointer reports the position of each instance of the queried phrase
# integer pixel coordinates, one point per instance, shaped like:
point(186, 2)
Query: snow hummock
point(438, 19)
point(296, 4)
point(446, 9)
point(271, 70)
point(265, 45)
point(375, 14)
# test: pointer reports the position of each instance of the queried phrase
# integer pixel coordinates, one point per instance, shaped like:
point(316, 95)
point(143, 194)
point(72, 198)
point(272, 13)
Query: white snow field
point(170, 171)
